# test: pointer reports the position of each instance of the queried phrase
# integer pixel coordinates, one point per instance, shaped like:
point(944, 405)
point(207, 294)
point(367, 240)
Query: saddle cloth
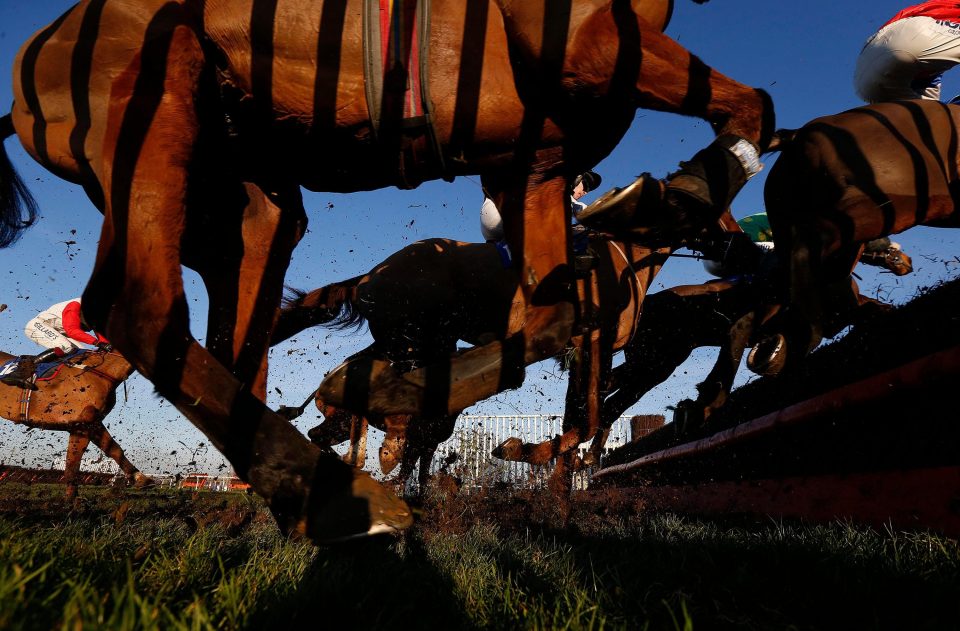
point(46, 370)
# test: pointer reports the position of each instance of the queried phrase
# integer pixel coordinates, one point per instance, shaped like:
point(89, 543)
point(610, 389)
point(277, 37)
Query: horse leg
point(669, 78)
point(536, 214)
point(136, 296)
point(394, 448)
point(334, 429)
point(356, 456)
point(712, 393)
point(243, 275)
point(102, 439)
point(725, 313)
point(76, 445)
point(582, 408)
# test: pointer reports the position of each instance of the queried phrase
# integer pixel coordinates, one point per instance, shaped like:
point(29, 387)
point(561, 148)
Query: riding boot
point(691, 198)
point(703, 188)
point(619, 210)
point(22, 375)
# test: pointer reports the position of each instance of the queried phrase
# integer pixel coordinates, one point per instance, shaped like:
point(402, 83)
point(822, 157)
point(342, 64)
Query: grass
point(170, 560)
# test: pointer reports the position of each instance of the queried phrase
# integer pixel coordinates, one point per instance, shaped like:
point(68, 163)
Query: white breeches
point(491, 224)
point(904, 60)
point(41, 332)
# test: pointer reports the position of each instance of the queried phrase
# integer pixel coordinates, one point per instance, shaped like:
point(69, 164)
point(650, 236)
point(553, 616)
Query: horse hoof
point(363, 509)
point(389, 459)
point(510, 449)
point(769, 356)
point(317, 437)
point(386, 391)
point(141, 481)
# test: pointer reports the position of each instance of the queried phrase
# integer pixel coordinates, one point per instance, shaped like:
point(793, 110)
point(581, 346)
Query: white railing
point(466, 455)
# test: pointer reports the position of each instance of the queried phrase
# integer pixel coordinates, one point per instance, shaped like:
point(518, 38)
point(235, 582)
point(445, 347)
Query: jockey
point(736, 258)
point(491, 225)
point(744, 253)
point(907, 57)
point(56, 328)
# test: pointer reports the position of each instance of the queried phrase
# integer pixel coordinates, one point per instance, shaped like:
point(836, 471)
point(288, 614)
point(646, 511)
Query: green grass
point(169, 560)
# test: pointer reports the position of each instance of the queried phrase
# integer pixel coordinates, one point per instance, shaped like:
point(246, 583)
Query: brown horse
point(726, 313)
point(76, 400)
point(841, 181)
point(192, 124)
point(414, 314)
point(421, 300)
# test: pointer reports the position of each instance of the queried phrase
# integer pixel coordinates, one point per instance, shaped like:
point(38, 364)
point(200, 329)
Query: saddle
point(45, 371)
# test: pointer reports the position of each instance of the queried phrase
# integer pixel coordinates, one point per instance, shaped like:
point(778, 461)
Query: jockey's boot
point(619, 210)
point(691, 198)
point(704, 187)
point(22, 375)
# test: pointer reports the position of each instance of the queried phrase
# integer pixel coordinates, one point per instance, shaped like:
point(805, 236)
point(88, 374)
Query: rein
point(113, 381)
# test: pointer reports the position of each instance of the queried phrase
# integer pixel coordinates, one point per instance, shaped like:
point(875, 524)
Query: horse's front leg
point(76, 445)
point(136, 296)
point(243, 275)
point(536, 223)
point(589, 368)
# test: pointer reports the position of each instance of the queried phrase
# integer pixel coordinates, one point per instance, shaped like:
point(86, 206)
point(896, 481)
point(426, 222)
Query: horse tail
point(782, 139)
point(18, 209)
point(330, 306)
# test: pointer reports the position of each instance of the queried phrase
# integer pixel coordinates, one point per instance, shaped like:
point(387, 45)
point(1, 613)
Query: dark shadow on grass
point(376, 583)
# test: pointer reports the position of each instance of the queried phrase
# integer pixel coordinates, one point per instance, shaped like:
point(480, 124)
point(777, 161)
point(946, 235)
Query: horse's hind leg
point(136, 295)
point(356, 456)
point(76, 445)
point(581, 419)
point(102, 439)
point(713, 391)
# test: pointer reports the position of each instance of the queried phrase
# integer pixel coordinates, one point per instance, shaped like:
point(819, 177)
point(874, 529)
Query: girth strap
point(24, 401)
point(396, 35)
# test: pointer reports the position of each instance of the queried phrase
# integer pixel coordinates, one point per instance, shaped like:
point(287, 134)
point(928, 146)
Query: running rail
point(914, 375)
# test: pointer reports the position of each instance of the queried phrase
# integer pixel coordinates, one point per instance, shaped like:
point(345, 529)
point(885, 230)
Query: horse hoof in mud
point(589, 459)
point(369, 508)
point(391, 452)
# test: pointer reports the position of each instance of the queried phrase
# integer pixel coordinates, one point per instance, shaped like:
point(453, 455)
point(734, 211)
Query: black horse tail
point(782, 138)
point(18, 209)
point(330, 306)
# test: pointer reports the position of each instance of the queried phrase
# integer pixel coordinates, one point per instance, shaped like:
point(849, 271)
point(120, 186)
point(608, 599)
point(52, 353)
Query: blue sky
point(803, 54)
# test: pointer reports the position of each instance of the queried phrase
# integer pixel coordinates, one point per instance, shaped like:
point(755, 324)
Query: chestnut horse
point(726, 313)
point(76, 400)
point(421, 300)
point(178, 117)
point(841, 181)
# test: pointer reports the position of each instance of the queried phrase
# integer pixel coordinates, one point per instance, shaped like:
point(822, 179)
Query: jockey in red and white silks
point(59, 327)
point(907, 57)
point(56, 328)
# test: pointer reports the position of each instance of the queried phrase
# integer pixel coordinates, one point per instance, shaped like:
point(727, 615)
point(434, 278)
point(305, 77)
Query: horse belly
point(63, 76)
